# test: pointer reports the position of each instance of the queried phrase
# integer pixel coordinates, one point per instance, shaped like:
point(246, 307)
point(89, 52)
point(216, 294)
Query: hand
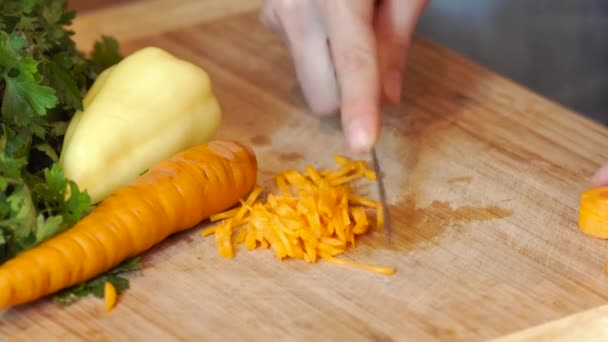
point(349, 55)
point(601, 177)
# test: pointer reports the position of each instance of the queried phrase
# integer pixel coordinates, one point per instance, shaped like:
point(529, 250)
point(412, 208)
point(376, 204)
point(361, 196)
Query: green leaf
point(53, 192)
point(128, 265)
point(120, 284)
point(17, 43)
point(76, 206)
point(28, 6)
point(14, 145)
point(24, 97)
point(22, 218)
point(57, 75)
point(46, 228)
point(106, 53)
point(53, 12)
point(11, 167)
point(96, 286)
point(49, 151)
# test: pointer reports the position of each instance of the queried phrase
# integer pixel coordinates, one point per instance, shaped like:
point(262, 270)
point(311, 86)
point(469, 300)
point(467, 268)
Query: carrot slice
point(593, 212)
point(109, 295)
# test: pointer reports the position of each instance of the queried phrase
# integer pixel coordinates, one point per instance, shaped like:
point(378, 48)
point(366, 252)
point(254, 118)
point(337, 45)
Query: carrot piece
point(356, 199)
point(246, 206)
point(223, 236)
point(172, 196)
point(241, 236)
point(361, 223)
point(208, 231)
point(282, 185)
point(109, 293)
point(593, 212)
point(377, 269)
point(313, 174)
point(224, 215)
point(342, 160)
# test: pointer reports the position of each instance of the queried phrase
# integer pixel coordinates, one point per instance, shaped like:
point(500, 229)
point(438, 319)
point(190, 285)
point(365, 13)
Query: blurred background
point(558, 48)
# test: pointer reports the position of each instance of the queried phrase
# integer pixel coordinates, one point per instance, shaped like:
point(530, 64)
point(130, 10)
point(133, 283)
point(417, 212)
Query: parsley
point(43, 79)
point(96, 286)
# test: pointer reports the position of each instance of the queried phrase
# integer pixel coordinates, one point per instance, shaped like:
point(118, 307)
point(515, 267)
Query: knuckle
point(353, 59)
point(394, 39)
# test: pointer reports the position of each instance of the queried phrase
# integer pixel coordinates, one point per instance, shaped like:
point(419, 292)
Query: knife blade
point(382, 195)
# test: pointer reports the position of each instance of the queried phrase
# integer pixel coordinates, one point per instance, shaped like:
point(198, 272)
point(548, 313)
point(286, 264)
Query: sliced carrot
point(224, 215)
point(223, 239)
point(109, 293)
point(373, 268)
point(208, 231)
point(356, 199)
point(593, 212)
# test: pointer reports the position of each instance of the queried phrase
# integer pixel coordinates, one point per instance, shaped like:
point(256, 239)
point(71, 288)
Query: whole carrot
point(172, 196)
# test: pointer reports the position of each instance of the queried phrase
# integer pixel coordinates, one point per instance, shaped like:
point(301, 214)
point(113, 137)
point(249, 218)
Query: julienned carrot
point(172, 196)
point(314, 216)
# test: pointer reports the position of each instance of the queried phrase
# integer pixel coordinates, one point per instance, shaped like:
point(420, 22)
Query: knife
point(380, 181)
point(382, 195)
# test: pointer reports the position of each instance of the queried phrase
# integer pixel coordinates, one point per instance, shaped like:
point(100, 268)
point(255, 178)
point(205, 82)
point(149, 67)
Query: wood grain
point(590, 325)
point(483, 180)
point(82, 6)
point(134, 19)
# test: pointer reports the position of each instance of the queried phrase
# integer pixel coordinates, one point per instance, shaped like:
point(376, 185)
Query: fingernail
point(360, 136)
point(392, 85)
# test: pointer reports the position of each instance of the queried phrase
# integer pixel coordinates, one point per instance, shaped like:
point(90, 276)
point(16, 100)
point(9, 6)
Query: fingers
point(601, 177)
point(352, 43)
point(394, 26)
point(298, 24)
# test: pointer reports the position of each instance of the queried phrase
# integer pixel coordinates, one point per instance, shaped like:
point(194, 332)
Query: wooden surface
point(88, 5)
point(483, 181)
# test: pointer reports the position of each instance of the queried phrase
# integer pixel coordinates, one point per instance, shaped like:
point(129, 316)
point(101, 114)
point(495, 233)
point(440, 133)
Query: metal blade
point(382, 194)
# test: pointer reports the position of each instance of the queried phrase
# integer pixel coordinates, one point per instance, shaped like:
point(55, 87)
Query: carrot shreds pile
point(315, 215)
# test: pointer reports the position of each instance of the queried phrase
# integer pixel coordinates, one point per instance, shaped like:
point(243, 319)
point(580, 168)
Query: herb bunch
point(43, 79)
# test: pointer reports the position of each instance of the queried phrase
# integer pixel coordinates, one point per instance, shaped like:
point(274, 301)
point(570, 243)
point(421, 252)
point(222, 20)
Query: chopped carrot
point(109, 293)
point(208, 231)
point(224, 215)
point(373, 268)
point(593, 212)
point(315, 215)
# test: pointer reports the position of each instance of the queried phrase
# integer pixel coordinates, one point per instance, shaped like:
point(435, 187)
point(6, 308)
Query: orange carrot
point(172, 196)
point(593, 212)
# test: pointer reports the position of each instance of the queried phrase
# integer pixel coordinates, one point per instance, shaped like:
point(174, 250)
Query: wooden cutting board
point(483, 180)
